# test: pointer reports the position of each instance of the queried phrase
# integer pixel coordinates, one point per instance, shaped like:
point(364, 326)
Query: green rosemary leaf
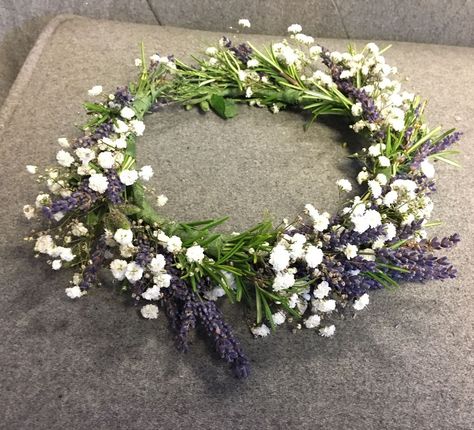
point(225, 108)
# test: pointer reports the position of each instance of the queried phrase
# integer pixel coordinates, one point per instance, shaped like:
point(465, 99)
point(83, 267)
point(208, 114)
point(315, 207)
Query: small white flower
point(161, 200)
point(98, 182)
point(350, 251)
point(58, 216)
point(118, 269)
point(174, 244)
point(324, 305)
point(137, 62)
point(56, 264)
point(252, 63)
point(155, 58)
point(150, 312)
point(120, 126)
point(85, 155)
point(127, 112)
point(375, 150)
point(313, 256)
point(248, 92)
point(65, 254)
point(195, 254)
point(384, 161)
point(95, 90)
point(162, 280)
point(128, 177)
point(344, 185)
point(134, 272)
point(312, 321)
point(322, 290)
point(427, 169)
point(79, 229)
point(372, 48)
point(327, 331)
point(63, 142)
point(211, 51)
point(260, 331)
point(390, 198)
point(64, 158)
point(214, 293)
point(283, 281)
point(361, 302)
point(304, 39)
point(31, 169)
point(106, 160)
point(381, 179)
point(29, 211)
point(74, 292)
point(123, 236)
point(279, 258)
point(375, 188)
point(153, 293)
point(274, 108)
point(138, 127)
point(42, 200)
point(244, 23)
point(315, 51)
point(146, 173)
point(44, 244)
point(295, 28)
point(362, 176)
point(279, 318)
point(356, 109)
point(390, 231)
point(157, 263)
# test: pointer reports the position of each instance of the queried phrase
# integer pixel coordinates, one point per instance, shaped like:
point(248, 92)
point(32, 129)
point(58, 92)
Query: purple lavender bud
point(89, 276)
point(82, 199)
point(115, 187)
point(242, 52)
point(123, 96)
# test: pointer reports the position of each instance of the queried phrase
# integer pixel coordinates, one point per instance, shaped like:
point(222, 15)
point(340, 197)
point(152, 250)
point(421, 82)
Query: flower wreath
point(101, 214)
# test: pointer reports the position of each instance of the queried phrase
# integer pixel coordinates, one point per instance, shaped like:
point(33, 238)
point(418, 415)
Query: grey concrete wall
point(448, 22)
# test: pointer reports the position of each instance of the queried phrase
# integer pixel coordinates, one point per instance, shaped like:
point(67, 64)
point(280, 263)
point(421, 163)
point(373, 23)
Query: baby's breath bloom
point(98, 182)
point(74, 292)
point(64, 158)
point(295, 28)
point(146, 173)
point(344, 185)
point(195, 254)
point(427, 169)
point(127, 112)
point(161, 200)
point(327, 331)
point(312, 321)
point(361, 302)
point(63, 142)
point(150, 312)
point(128, 177)
point(95, 90)
point(244, 23)
point(313, 256)
point(260, 330)
point(29, 211)
point(123, 236)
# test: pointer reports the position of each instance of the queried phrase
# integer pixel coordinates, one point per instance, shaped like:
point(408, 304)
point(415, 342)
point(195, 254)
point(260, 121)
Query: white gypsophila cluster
point(371, 70)
point(294, 249)
point(94, 163)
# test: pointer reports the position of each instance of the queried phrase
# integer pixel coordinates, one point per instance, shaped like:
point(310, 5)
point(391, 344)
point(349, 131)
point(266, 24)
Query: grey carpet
point(405, 363)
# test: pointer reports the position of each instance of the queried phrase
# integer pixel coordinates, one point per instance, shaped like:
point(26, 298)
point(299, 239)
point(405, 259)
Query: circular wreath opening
point(302, 271)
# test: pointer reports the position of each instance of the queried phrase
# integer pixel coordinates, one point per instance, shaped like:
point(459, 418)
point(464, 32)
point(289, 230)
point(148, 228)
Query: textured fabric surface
point(441, 21)
point(405, 363)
